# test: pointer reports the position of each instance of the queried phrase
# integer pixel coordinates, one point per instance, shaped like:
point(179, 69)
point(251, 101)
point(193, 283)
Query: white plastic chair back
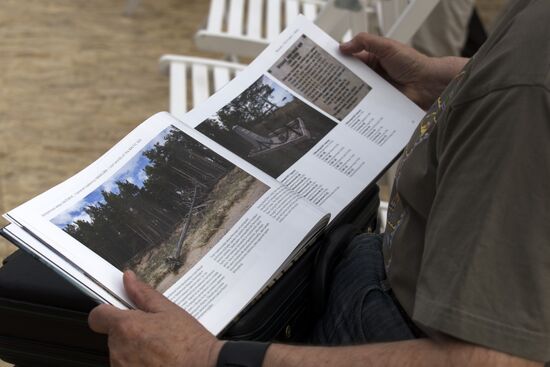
point(246, 27)
point(400, 19)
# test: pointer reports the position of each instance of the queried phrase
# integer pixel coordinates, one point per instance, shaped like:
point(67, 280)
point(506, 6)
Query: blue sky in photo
point(132, 171)
point(278, 94)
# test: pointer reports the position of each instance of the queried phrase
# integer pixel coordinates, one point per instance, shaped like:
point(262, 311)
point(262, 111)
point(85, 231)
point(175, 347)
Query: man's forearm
point(421, 352)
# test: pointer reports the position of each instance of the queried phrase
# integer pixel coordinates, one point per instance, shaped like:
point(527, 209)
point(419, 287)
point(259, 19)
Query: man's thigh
point(360, 306)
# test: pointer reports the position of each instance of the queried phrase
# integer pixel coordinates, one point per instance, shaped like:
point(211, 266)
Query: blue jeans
point(361, 307)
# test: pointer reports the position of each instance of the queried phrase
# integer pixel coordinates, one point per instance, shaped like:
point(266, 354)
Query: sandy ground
point(194, 254)
point(78, 75)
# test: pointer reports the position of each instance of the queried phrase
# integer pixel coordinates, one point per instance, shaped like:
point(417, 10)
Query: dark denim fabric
point(361, 308)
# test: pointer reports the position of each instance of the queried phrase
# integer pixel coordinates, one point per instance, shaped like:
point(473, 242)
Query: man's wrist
point(214, 352)
point(439, 72)
point(445, 69)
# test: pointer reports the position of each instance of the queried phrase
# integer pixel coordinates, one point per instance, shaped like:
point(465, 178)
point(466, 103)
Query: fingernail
point(345, 44)
point(130, 274)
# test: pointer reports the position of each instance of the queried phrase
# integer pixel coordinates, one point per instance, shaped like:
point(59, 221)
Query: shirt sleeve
point(485, 272)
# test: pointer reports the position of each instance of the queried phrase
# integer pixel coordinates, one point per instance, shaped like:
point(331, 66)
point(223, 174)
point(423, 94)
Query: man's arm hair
point(411, 353)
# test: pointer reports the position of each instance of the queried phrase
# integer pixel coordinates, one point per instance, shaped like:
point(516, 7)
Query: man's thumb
point(376, 45)
point(144, 297)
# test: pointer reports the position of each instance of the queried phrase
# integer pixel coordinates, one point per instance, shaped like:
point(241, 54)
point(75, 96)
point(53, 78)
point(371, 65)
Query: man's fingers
point(379, 46)
point(145, 298)
point(103, 317)
point(369, 58)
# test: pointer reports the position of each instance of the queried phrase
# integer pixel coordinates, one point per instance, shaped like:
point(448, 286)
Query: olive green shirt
point(467, 246)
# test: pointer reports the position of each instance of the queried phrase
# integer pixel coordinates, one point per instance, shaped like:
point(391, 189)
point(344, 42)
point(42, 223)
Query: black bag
point(44, 318)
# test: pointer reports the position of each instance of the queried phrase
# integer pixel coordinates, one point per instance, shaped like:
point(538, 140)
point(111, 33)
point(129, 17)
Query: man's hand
point(159, 333)
point(419, 77)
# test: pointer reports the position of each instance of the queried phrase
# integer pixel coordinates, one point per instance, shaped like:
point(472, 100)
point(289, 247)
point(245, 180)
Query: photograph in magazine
point(267, 126)
point(317, 76)
point(163, 210)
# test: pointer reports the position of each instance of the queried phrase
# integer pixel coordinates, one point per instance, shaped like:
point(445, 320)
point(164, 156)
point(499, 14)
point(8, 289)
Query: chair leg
point(131, 6)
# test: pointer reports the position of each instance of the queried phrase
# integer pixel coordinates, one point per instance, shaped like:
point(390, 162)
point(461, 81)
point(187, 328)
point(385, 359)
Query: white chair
point(246, 27)
point(400, 19)
point(382, 216)
point(396, 19)
point(194, 79)
point(130, 7)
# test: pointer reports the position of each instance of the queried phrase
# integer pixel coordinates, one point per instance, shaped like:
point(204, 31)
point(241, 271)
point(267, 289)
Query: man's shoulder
point(516, 55)
point(524, 50)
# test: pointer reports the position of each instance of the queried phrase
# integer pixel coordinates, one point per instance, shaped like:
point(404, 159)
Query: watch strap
point(242, 354)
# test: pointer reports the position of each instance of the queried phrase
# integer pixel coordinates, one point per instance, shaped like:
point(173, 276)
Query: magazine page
point(322, 123)
point(188, 221)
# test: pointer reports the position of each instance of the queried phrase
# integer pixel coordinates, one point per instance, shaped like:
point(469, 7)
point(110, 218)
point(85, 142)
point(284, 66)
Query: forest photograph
point(163, 210)
point(267, 126)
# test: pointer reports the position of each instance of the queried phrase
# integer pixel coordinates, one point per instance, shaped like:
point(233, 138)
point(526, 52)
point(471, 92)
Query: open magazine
point(211, 209)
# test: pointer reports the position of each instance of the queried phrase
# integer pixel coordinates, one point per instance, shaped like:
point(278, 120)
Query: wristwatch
point(242, 354)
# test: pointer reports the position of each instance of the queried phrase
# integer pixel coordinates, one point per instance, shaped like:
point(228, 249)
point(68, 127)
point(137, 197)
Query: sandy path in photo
point(193, 255)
